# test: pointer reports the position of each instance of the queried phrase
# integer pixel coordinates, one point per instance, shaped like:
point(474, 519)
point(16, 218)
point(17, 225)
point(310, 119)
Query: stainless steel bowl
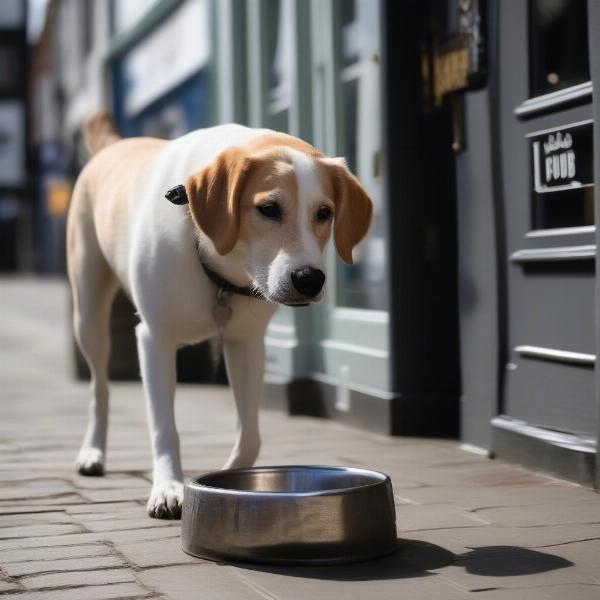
point(291, 514)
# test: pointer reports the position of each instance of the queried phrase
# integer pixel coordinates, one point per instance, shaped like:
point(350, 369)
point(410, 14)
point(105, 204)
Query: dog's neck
point(230, 267)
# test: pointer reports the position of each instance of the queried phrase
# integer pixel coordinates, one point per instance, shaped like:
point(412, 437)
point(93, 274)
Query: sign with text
point(562, 158)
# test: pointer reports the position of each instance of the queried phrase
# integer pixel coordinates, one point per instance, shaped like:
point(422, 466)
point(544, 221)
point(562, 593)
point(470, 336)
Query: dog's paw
point(90, 461)
point(165, 500)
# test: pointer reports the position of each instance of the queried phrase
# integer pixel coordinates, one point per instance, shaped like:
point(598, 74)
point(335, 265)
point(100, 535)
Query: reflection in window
point(558, 39)
point(10, 69)
point(564, 209)
point(88, 26)
point(362, 285)
point(280, 52)
point(128, 13)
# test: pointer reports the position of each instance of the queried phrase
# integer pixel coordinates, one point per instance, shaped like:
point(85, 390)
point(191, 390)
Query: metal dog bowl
point(291, 514)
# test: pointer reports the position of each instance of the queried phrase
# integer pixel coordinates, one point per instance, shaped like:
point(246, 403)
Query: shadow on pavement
point(508, 561)
point(416, 558)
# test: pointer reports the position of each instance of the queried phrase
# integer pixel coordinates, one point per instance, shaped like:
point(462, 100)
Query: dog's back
point(97, 226)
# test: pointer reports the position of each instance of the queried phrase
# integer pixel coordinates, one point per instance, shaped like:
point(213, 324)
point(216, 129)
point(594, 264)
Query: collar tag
point(222, 311)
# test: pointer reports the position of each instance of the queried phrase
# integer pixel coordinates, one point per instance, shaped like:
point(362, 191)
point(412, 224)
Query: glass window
point(156, 65)
point(12, 143)
point(558, 38)
point(280, 54)
point(88, 26)
point(362, 285)
point(564, 209)
point(129, 12)
point(10, 69)
point(12, 15)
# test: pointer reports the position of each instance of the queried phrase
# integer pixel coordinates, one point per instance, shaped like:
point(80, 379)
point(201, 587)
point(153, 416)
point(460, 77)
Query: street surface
point(469, 527)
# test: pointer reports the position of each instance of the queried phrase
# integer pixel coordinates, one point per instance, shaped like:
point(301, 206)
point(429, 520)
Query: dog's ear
point(214, 197)
point(353, 207)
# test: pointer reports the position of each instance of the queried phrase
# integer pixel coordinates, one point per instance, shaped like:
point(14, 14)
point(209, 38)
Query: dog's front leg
point(157, 363)
point(245, 360)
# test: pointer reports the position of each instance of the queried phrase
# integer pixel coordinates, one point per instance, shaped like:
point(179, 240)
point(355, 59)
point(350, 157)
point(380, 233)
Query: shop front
point(380, 351)
point(528, 242)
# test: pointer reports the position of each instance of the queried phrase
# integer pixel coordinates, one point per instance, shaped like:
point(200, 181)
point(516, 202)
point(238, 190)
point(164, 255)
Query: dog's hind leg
point(93, 286)
point(245, 359)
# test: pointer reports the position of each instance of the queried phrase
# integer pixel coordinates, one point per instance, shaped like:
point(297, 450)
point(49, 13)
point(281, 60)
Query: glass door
point(352, 333)
point(361, 285)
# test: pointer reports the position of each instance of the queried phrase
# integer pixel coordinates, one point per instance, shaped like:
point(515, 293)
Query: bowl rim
point(195, 483)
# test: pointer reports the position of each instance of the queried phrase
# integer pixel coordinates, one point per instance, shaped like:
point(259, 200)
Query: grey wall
point(478, 275)
point(481, 255)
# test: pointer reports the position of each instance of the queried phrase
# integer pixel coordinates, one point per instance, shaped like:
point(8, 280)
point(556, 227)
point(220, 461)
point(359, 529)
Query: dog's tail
point(99, 131)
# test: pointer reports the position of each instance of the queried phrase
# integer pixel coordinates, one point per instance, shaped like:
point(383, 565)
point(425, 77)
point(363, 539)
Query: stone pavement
point(468, 526)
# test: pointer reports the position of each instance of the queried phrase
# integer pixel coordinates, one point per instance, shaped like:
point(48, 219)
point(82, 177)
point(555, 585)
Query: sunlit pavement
point(468, 526)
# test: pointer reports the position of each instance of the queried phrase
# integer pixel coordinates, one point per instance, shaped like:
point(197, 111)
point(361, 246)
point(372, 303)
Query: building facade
point(471, 307)
point(527, 205)
point(16, 209)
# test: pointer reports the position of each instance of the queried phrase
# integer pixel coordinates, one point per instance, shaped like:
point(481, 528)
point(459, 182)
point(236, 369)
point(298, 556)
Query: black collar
point(227, 286)
point(223, 284)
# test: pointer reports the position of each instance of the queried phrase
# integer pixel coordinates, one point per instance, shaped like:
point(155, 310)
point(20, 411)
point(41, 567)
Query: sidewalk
point(469, 527)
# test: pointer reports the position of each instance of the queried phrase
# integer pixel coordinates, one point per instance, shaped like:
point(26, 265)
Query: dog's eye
point(324, 213)
point(270, 210)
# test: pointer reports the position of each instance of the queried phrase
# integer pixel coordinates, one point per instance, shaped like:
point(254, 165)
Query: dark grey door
point(546, 163)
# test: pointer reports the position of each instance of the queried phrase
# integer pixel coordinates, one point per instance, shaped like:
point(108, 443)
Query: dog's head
point(273, 204)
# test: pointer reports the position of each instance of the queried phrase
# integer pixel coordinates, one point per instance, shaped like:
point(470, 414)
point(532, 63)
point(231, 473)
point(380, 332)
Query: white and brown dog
point(261, 208)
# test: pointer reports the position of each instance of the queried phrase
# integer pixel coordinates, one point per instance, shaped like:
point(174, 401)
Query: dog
point(244, 232)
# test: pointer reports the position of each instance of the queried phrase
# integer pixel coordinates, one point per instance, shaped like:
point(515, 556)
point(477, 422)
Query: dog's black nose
point(308, 281)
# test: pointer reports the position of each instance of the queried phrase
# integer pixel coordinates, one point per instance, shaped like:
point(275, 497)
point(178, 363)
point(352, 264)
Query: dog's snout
point(308, 281)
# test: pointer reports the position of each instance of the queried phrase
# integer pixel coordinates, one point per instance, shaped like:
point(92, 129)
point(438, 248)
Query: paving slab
point(53, 553)
point(107, 591)
point(124, 524)
point(155, 553)
point(48, 517)
point(487, 496)
point(78, 578)
point(17, 569)
point(97, 508)
point(544, 592)
point(579, 512)
point(184, 582)
point(537, 538)
point(39, 504)
point(411, 517)
point(290, 584)
point(9, 586)
point(7, 533)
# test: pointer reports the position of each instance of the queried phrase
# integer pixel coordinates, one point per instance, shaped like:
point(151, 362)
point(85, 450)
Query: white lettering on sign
point(557, 141)
point(560, 166)
point(562, 160)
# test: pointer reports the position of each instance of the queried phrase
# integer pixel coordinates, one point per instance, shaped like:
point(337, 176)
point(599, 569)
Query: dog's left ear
point(353, 207)
point(214, 196)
